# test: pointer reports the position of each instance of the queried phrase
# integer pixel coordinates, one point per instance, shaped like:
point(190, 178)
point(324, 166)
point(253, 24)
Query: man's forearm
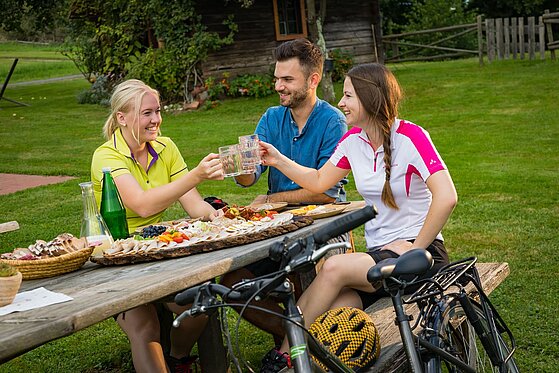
point(300, 196)
point(245, 179)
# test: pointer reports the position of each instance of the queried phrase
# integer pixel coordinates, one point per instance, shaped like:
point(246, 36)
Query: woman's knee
point(336, 267)
point(140, 323)
point(149, 331)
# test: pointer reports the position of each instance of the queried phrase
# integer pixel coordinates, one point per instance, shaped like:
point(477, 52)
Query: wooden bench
point(392, 356)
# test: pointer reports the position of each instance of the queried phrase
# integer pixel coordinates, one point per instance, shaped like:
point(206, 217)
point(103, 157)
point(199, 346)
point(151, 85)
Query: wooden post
point(490, 32)
point(395, 50)
point(532, 37)
point(374, 43)
point(514, 22)
point(541, 37)
point(480, 40)
point(506, 27)
point(499, 37)
point(550, 36)
point(521, 37)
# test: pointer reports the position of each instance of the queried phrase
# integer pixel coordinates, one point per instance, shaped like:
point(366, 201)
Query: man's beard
point(296, 98)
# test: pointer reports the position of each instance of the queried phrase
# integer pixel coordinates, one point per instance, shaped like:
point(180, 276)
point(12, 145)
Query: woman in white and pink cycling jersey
point(397, 169)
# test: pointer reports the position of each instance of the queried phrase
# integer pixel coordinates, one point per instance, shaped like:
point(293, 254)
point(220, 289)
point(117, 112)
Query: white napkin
point(31, 299)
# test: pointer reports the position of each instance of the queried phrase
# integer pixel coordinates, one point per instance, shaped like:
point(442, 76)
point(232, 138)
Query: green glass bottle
point(112, 208)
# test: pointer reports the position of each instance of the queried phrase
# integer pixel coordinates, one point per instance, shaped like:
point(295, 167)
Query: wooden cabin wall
point(348, 27)
point(254, 42)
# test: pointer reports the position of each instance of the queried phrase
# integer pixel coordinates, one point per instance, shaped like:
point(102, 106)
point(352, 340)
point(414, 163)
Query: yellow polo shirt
point(165, 164)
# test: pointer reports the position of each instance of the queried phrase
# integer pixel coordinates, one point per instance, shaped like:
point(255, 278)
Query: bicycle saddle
point(413, 262)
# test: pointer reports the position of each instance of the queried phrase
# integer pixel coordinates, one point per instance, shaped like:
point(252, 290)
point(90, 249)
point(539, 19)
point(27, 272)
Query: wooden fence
point(515, 37)
point(395, 41)
point(500, 38)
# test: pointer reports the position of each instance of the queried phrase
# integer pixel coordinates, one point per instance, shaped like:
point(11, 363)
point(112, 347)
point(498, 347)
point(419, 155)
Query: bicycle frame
point(409, 339)
point(299, 339)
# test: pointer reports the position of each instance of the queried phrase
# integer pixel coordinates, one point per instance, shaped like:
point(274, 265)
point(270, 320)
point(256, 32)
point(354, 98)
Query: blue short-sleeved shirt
point(311, 148)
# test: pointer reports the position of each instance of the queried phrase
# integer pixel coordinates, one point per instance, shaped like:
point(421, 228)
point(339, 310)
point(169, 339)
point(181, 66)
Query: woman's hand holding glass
point(270, 155)
point(209, 168)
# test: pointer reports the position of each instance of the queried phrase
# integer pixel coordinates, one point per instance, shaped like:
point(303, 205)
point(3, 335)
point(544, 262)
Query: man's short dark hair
point(309, 55)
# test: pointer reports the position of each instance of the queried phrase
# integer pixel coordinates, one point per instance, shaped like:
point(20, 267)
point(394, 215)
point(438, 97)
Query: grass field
point(35, 61)
point(497, 128)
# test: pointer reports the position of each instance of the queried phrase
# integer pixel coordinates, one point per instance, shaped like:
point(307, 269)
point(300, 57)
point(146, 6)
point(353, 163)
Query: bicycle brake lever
point(194, 311)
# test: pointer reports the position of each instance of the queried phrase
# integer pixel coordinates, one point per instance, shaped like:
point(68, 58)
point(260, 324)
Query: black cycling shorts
point(440, 257)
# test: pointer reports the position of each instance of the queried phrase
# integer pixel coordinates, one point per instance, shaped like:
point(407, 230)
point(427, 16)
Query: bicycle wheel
point(456, 335)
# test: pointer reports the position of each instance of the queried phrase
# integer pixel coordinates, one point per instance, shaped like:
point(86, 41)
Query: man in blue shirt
point(307, 130)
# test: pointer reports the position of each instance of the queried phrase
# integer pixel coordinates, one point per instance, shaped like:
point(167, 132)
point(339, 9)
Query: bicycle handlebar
point(189, 295)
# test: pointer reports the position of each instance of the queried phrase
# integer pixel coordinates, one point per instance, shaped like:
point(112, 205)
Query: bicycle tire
point(451, 330)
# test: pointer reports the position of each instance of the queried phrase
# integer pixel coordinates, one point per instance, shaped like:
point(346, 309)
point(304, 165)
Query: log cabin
point(267, 23)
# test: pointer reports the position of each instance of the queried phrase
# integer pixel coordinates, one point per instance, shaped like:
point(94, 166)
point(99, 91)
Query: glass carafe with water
point(94, 228)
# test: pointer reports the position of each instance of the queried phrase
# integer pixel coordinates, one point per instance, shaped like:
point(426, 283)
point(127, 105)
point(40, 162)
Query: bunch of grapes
point(153, 231)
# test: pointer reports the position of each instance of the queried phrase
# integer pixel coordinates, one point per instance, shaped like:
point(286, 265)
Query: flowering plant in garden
point(217, 88)
point(252, 85)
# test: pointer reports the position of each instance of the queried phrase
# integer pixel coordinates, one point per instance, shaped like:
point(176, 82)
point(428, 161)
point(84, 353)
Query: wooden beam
point(431, 47)
point(448, 28)
point(548, 15)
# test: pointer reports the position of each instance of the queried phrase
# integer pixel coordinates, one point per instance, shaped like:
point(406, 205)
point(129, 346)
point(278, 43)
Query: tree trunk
point(315, 31)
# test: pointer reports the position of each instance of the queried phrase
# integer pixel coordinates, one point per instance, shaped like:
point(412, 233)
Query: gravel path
point(10, 183)
point(43, 81)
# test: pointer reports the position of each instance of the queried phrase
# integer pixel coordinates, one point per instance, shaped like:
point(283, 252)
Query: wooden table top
point(100, 292)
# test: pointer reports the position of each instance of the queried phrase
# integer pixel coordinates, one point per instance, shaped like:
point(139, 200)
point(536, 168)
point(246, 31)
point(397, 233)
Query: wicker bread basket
point(41, 268)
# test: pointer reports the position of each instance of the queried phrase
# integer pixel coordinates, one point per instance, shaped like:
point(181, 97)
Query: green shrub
point(98, 93)
point(160, 42)
point(343, 61)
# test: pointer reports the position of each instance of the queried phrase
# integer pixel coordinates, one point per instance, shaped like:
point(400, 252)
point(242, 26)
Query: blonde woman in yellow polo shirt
point(151, 174)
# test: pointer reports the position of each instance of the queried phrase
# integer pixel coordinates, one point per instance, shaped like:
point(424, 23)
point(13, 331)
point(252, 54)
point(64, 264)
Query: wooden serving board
point(354, 205)
point(296, 223)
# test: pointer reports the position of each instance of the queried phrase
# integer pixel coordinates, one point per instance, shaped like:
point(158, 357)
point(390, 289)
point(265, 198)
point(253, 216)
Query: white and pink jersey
point(414, 159)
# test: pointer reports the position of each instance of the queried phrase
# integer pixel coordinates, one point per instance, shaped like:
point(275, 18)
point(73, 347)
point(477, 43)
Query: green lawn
point(35, 61)
point(496, 127)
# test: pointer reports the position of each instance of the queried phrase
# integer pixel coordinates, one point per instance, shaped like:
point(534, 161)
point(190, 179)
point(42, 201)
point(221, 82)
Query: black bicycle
point(461, 331)
point(295, 257)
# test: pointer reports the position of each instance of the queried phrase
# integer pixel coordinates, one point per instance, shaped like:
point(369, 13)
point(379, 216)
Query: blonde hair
point(380, 94)
point(126, 97)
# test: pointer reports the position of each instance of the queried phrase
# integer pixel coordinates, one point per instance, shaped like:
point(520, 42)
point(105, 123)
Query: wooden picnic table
point(100, 292)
